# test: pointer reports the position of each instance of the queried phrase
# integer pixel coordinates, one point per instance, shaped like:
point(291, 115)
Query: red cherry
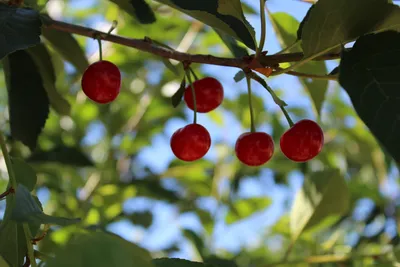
point(254, 149)
point(191, 142)
point(101, 82)
point(303, 141)
point(209, 95)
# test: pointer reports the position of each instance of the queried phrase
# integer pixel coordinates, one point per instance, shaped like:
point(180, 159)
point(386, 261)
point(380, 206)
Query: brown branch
point(146, 45)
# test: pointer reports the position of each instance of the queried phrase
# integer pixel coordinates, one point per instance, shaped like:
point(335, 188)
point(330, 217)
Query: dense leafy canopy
point(77, 173)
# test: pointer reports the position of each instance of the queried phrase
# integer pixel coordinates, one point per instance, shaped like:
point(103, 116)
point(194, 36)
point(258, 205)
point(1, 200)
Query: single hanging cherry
point(101, 82)
point(191, 142)
point(303, 141)
point(254, 148)
point(209, 94)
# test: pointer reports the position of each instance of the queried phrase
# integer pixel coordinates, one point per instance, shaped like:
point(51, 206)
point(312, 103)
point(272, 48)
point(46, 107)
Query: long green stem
point(253, 127)
point(304, 61)
point(7, 159)
point(263, 28)
point(29, 245)
point(276, 99)
point(194, 96)
point(194, 74)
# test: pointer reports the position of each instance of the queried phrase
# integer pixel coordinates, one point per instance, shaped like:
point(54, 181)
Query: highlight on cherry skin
point(303, 141)
point(191, 142)
point(209, 94)
point(254, 149)
point(101, 82)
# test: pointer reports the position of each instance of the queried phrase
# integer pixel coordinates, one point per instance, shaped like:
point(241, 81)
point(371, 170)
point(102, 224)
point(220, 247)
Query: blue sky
point(168, 221)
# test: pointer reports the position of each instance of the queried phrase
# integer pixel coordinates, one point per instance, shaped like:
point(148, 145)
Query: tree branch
point(147, 45)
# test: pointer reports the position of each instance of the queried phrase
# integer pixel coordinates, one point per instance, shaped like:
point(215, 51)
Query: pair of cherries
point(302, 142)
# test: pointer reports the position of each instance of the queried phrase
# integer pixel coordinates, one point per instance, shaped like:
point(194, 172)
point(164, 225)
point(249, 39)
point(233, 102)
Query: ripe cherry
point(209, 95)
point(191, 142)
point(303, 141)
point(101, 82)
point(254, 149)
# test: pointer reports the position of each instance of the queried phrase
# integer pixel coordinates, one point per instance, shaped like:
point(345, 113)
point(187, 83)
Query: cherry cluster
point(302, 142)
point(101, 82)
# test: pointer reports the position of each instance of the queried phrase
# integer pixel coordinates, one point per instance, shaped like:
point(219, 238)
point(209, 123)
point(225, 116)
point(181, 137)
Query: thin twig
point(312, 76)
point(147, 46)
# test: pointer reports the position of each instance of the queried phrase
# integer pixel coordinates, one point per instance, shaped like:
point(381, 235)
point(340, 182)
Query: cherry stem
point(263, 28)
point(194, 74)
point(194, 96)
point(100, 49)
point(287, 117)
point(252, 126)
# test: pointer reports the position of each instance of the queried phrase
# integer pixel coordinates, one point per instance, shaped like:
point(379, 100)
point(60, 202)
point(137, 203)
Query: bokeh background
point(138, 190)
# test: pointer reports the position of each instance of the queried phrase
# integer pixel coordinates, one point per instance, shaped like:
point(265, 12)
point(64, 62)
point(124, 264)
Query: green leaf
point(236, 50)
point(12, 237)
point(239, 76)
point(218, 262)
point(170, 66)
point(27, 98)
point(19, 29)
point(64, 155)
point(24, 173)
point(177, 97)
point(173, 262)
point(66, 45)
point(42, 59)
point(243, 208)
point(27, 210)
point(370, 75)
point(323, 198)
point(12, 243)
point(138, 9)
point(101, 250)
point(285, 27)
point(226, 16)
point(332, 23)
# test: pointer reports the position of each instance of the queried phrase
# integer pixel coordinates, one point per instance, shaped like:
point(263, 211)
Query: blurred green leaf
point(137, 8)
point(19, 29)
point(322, 199)
point(65, 44)
point(27, 210)
point(144, 218)
point(226, 16)
point(24, 173)
point(42, 59)
point(28, 100)
point(101, 250)
point(285, 28)
point(64, 155)
point(3, 262)
point(243, 208)
point(196, 240)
